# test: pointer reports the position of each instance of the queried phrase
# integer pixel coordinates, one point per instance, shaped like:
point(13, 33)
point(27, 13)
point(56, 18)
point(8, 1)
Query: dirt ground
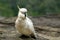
point(46, 28)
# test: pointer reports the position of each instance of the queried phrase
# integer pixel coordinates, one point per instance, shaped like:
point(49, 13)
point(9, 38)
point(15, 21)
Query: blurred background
point(9, 8)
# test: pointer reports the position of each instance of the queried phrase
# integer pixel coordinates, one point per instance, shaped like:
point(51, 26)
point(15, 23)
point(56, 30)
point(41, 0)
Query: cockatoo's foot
point(24, 36)
point(33, 36)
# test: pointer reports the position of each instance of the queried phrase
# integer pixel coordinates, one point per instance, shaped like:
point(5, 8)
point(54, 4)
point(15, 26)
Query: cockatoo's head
point(22, 12)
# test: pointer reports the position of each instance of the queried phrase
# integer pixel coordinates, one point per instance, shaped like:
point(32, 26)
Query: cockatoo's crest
point(18, 7)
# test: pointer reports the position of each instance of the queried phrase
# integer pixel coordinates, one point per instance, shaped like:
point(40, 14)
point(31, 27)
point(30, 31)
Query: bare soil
point(46, 28)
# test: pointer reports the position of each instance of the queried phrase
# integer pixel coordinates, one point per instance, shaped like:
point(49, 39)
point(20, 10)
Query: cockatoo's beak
point(25, 14)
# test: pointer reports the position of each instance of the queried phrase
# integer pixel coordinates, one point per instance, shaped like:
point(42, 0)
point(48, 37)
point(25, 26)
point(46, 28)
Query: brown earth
point(47, 28)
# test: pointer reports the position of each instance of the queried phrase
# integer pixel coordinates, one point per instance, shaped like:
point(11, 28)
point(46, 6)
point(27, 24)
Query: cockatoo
point(23, 24)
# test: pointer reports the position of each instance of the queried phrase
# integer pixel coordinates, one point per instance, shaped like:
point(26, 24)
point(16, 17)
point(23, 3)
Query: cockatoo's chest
point(23, 27)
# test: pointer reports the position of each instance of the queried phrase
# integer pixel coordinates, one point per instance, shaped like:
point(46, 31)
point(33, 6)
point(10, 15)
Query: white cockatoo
point(23, 24)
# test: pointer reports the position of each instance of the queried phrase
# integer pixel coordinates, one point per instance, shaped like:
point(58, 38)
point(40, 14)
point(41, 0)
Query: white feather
point(24, 25)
